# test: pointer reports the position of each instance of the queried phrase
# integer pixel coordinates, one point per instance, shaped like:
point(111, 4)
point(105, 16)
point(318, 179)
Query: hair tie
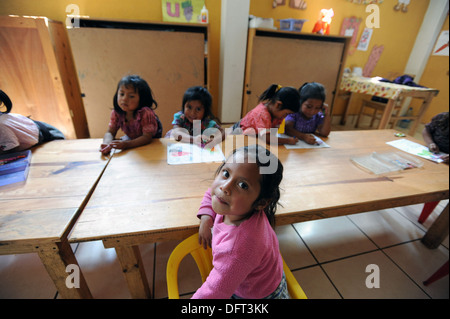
point(278, 88)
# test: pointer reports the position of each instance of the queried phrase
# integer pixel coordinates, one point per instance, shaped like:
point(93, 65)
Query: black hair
point(198, 93)
point(6, 100)
point(269, 182)
point(288, 96)
point(312, 90)
point(141, 87)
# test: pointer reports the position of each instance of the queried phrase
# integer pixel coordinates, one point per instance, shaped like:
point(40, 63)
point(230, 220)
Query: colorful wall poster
point(185, 11)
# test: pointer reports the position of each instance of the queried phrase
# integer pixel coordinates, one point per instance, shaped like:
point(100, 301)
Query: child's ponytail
point(288, 96)
point(5, 99)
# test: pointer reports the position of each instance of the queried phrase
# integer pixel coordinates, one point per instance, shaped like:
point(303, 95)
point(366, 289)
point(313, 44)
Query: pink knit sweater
point(246, 258)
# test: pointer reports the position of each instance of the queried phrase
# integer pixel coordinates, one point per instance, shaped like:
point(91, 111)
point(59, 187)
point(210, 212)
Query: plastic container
point(381, 163)
point(292, 24)
point(204, 15)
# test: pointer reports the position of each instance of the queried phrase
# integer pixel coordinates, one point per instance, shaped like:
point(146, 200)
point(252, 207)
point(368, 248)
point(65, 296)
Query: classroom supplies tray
point(381, 163)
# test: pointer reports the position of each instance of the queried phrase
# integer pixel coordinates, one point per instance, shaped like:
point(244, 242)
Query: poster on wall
point(185, 11)
point(441, 47)
point(365, 39)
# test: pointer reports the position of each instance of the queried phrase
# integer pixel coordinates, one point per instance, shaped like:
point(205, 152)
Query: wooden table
point(37, 215)
point(141, 199)
point(391, 91)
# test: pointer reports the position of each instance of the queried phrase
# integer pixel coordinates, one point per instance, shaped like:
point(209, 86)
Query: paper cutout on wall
point(276, 3)
point(441, 47)
point(350, 28)
point(187, 11)
point(365, 39)
point(298, 4)
point(373, 60)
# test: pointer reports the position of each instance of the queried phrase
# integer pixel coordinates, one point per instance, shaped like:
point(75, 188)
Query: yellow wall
point(397, 32)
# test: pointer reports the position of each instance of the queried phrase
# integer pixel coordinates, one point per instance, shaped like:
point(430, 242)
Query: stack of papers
point(416, 149)
point(183, 153)
point(303, 144)
point(14, 167)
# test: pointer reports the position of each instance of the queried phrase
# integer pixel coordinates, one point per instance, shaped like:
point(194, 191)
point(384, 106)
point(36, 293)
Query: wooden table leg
point(56, 257)
point(134, 272)
point(422, 110)
point(438, 231)
point(386, 114)
point(347, 107)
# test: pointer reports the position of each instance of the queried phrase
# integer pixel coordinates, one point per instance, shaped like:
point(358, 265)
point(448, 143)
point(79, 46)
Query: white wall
point(233, 48)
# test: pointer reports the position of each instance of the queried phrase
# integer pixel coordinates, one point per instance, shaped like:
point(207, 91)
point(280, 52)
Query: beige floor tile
point(333, 238)
point(102, 271)
point(386, 227)
point(420, 263)
point(349, 276)
point(24, 276)
point(292, 248)
point(315, 283)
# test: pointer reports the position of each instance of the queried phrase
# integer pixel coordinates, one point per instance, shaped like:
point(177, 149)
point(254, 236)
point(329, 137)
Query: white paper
point(183, 153)
point(303, 144)
point(416, 149)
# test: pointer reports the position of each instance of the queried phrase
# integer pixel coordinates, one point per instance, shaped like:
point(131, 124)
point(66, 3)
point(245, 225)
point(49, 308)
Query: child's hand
point(119, 144)
point(445, 158)
point(292, 141)
point(105, 149)
point(310, 139)
point(204, 232)
point(433, 148)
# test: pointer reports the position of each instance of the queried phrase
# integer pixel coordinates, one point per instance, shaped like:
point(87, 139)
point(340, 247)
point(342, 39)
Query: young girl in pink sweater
point(240, 207)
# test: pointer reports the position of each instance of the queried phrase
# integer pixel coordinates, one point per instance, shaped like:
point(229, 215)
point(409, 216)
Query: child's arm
point(106, 147)
point(290, 130)
point(325, 128)
point(144, 139)
point(428, 139)
point(207, 216)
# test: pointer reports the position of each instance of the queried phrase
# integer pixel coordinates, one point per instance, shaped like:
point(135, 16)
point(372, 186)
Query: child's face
point(194, 110)
point(127, 98)
point(236, 188)
point(276, 111)
point(311, 107)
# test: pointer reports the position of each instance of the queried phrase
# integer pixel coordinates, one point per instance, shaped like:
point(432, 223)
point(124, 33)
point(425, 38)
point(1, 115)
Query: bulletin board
point(168, 58)
point(292, 59)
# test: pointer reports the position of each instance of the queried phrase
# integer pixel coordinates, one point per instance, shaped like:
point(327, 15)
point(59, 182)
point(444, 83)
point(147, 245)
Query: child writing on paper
point(133, 113)
point(313, 116)
point(241, 205)
point(18, 132)
point(196, 109)
point(275, 104)
point(435, 135)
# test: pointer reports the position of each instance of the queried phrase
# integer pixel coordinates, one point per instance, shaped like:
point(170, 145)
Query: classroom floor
point(328, 257)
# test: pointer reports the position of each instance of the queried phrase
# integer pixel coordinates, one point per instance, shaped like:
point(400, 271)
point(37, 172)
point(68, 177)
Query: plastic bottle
point(204, 15)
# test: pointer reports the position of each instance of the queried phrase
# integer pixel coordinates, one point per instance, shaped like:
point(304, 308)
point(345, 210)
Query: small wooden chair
point(203, 259)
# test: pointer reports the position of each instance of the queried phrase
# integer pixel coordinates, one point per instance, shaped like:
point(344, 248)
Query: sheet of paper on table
point(303, 144)
point(416, 149)
point(183, 153)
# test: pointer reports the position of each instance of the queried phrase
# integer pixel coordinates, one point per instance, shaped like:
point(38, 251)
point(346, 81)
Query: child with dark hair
point(18, 132)
point(134, 114)
point(275, 103)
point(241, 205)
point(435, 135)
point(313, 116)
point(196, 108)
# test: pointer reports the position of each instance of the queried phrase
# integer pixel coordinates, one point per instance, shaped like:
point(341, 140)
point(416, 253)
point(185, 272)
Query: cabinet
point(170, 57)
point(38, 74)
point(291, 59)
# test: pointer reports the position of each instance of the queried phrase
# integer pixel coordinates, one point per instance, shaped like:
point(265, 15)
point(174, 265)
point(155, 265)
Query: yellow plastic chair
point(203, 259)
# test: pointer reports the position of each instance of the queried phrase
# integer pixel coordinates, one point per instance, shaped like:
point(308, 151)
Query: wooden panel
point(292, 62)
point(30, 74)
point(170, 62)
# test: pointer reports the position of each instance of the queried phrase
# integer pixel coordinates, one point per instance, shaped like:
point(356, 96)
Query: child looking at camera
point(241, 205)
point(133, 113)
